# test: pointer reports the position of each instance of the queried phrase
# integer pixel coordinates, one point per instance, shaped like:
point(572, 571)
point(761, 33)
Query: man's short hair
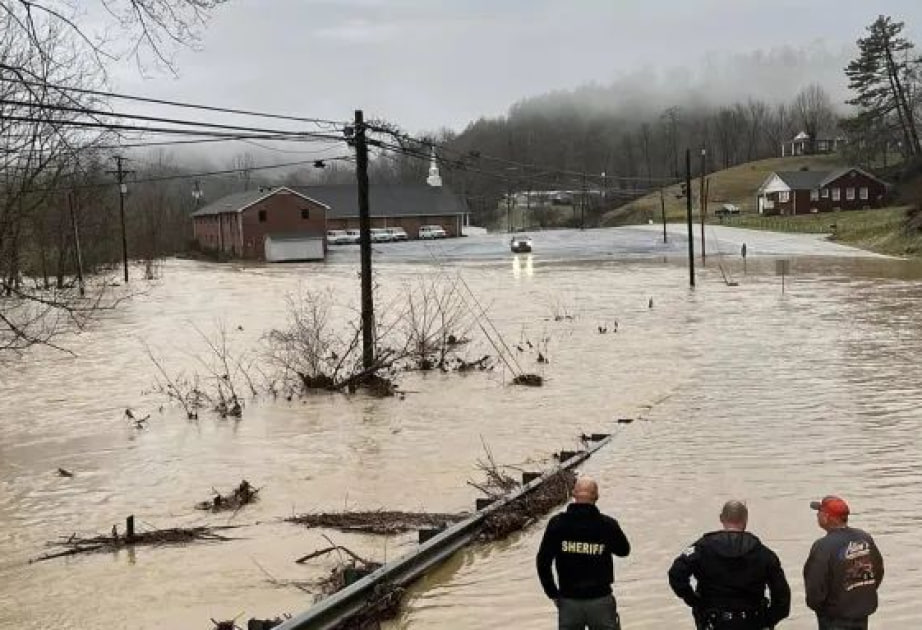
point(734, 512)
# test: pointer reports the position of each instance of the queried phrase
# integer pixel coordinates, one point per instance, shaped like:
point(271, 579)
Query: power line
point(166, 130)
point(518, 179)
point(177, 176)
point(157, 101)
point(387, 129)
point(159, 119)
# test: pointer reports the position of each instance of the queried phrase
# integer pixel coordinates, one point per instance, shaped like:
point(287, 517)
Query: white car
point(353, 236)
point(432, 231)
point(398, 234)
point(337, 237)
point(380, 235)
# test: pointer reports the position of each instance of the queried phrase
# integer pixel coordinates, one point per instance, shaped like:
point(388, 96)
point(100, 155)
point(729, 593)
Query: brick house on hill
point(806, 192)
point(276, 225)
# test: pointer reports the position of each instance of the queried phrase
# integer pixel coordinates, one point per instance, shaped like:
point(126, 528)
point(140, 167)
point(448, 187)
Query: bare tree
point(243, 163)
point(149, 30)
point(47, 164)
point(813, 109)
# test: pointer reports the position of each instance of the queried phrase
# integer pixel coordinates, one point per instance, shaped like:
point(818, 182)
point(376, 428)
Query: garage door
point(291, 249)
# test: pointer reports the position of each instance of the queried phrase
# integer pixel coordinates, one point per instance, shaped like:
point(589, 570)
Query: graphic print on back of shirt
point(859, 570)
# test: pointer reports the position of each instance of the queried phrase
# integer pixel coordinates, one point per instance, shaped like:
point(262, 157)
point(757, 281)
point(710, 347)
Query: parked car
point(337, 237)
point(398, 234)
point(727, 210)
point(353, 236)
point(520, 244)
point(380, 235)
point(432, 231)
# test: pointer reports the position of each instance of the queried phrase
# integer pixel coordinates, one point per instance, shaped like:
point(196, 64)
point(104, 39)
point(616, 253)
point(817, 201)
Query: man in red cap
point(843, 571)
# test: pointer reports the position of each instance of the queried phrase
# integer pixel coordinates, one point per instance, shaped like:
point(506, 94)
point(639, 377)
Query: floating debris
point(524, 511)
point(375, 522)
point(64, 473)
point(74, 544)
point(529, 380)
point(243, 494)
point(382, 605)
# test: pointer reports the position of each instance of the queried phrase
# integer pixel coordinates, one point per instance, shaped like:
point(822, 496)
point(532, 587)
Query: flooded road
point(742, 392)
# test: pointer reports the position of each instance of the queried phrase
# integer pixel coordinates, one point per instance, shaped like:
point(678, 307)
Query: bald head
point(586, 490)
point(734, 515)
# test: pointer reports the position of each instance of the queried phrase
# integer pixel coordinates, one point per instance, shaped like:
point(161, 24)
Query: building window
point(863, 193)
point(305, 213)
point(825, 193)
point(784, 196)
point(850, 193)
point(836, 194)
point(814, 195)
point(262, 216)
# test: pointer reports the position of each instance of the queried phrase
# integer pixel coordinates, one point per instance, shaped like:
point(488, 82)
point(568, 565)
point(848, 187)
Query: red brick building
point(280, 224)
point(806, 192)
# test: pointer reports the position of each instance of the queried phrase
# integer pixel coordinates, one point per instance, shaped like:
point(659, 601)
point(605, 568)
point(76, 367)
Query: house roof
point(392, 200)
point(238, 202)
point(811, 180)
point(834, 175)
point(802, 180)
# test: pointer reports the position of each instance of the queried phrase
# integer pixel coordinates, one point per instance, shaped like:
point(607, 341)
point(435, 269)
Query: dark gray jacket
point(842, 574)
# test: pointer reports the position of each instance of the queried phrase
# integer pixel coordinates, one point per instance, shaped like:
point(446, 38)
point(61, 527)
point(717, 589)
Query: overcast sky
point(426, 64)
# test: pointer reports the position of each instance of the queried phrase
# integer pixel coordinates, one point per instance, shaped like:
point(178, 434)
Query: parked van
point(398, 234)
point(432, 231)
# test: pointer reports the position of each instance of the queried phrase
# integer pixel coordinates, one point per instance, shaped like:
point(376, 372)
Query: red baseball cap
point(831, 505)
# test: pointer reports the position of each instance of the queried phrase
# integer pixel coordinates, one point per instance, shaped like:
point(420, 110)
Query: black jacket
point(732, 570)
point(581, 542)
point(842, 574)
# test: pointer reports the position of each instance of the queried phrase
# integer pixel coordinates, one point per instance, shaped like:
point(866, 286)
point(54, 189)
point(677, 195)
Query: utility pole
point(688, 216)
point(582, 206)
point(702, 206)
point(77, 252)
point(368, 304)
point(662, 207)
point(122, 189)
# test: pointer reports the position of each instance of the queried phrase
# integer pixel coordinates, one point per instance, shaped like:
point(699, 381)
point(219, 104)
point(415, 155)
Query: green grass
point(883, 230)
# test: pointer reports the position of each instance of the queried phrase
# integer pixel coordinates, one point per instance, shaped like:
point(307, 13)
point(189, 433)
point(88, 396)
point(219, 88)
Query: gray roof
point(392, 200)
point(803, 180)
point(237, 202)
point(834, 175)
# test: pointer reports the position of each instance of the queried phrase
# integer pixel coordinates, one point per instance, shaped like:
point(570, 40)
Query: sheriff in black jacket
point(580, 542)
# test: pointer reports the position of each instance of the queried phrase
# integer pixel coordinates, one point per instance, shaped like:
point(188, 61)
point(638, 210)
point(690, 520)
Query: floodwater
point(739, 392)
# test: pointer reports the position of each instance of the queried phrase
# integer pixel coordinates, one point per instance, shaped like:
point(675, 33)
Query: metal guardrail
point(401, 572)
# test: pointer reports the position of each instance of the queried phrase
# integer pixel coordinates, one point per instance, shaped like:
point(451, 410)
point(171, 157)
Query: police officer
point(581, 542)
point(732, 569)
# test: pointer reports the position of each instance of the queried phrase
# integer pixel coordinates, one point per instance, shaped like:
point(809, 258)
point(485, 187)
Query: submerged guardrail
point(331, 611)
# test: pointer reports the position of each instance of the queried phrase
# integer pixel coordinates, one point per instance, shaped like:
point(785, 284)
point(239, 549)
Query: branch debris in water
point(243, 494)
point(375, 522)
point(74, 545)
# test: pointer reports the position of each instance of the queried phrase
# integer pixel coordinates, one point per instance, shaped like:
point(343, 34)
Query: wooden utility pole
point(368, 303)
point(582, 206)
point(77, 251)
point(688, 216)
point(662, 207)
point(122, 189)
point(702, 206)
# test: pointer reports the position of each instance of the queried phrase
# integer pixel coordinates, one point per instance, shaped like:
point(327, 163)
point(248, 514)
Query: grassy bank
point(736, 185)
point(883, 231)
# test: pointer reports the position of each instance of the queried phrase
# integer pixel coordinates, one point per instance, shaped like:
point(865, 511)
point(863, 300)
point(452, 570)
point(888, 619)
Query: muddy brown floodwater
point(742, 393)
